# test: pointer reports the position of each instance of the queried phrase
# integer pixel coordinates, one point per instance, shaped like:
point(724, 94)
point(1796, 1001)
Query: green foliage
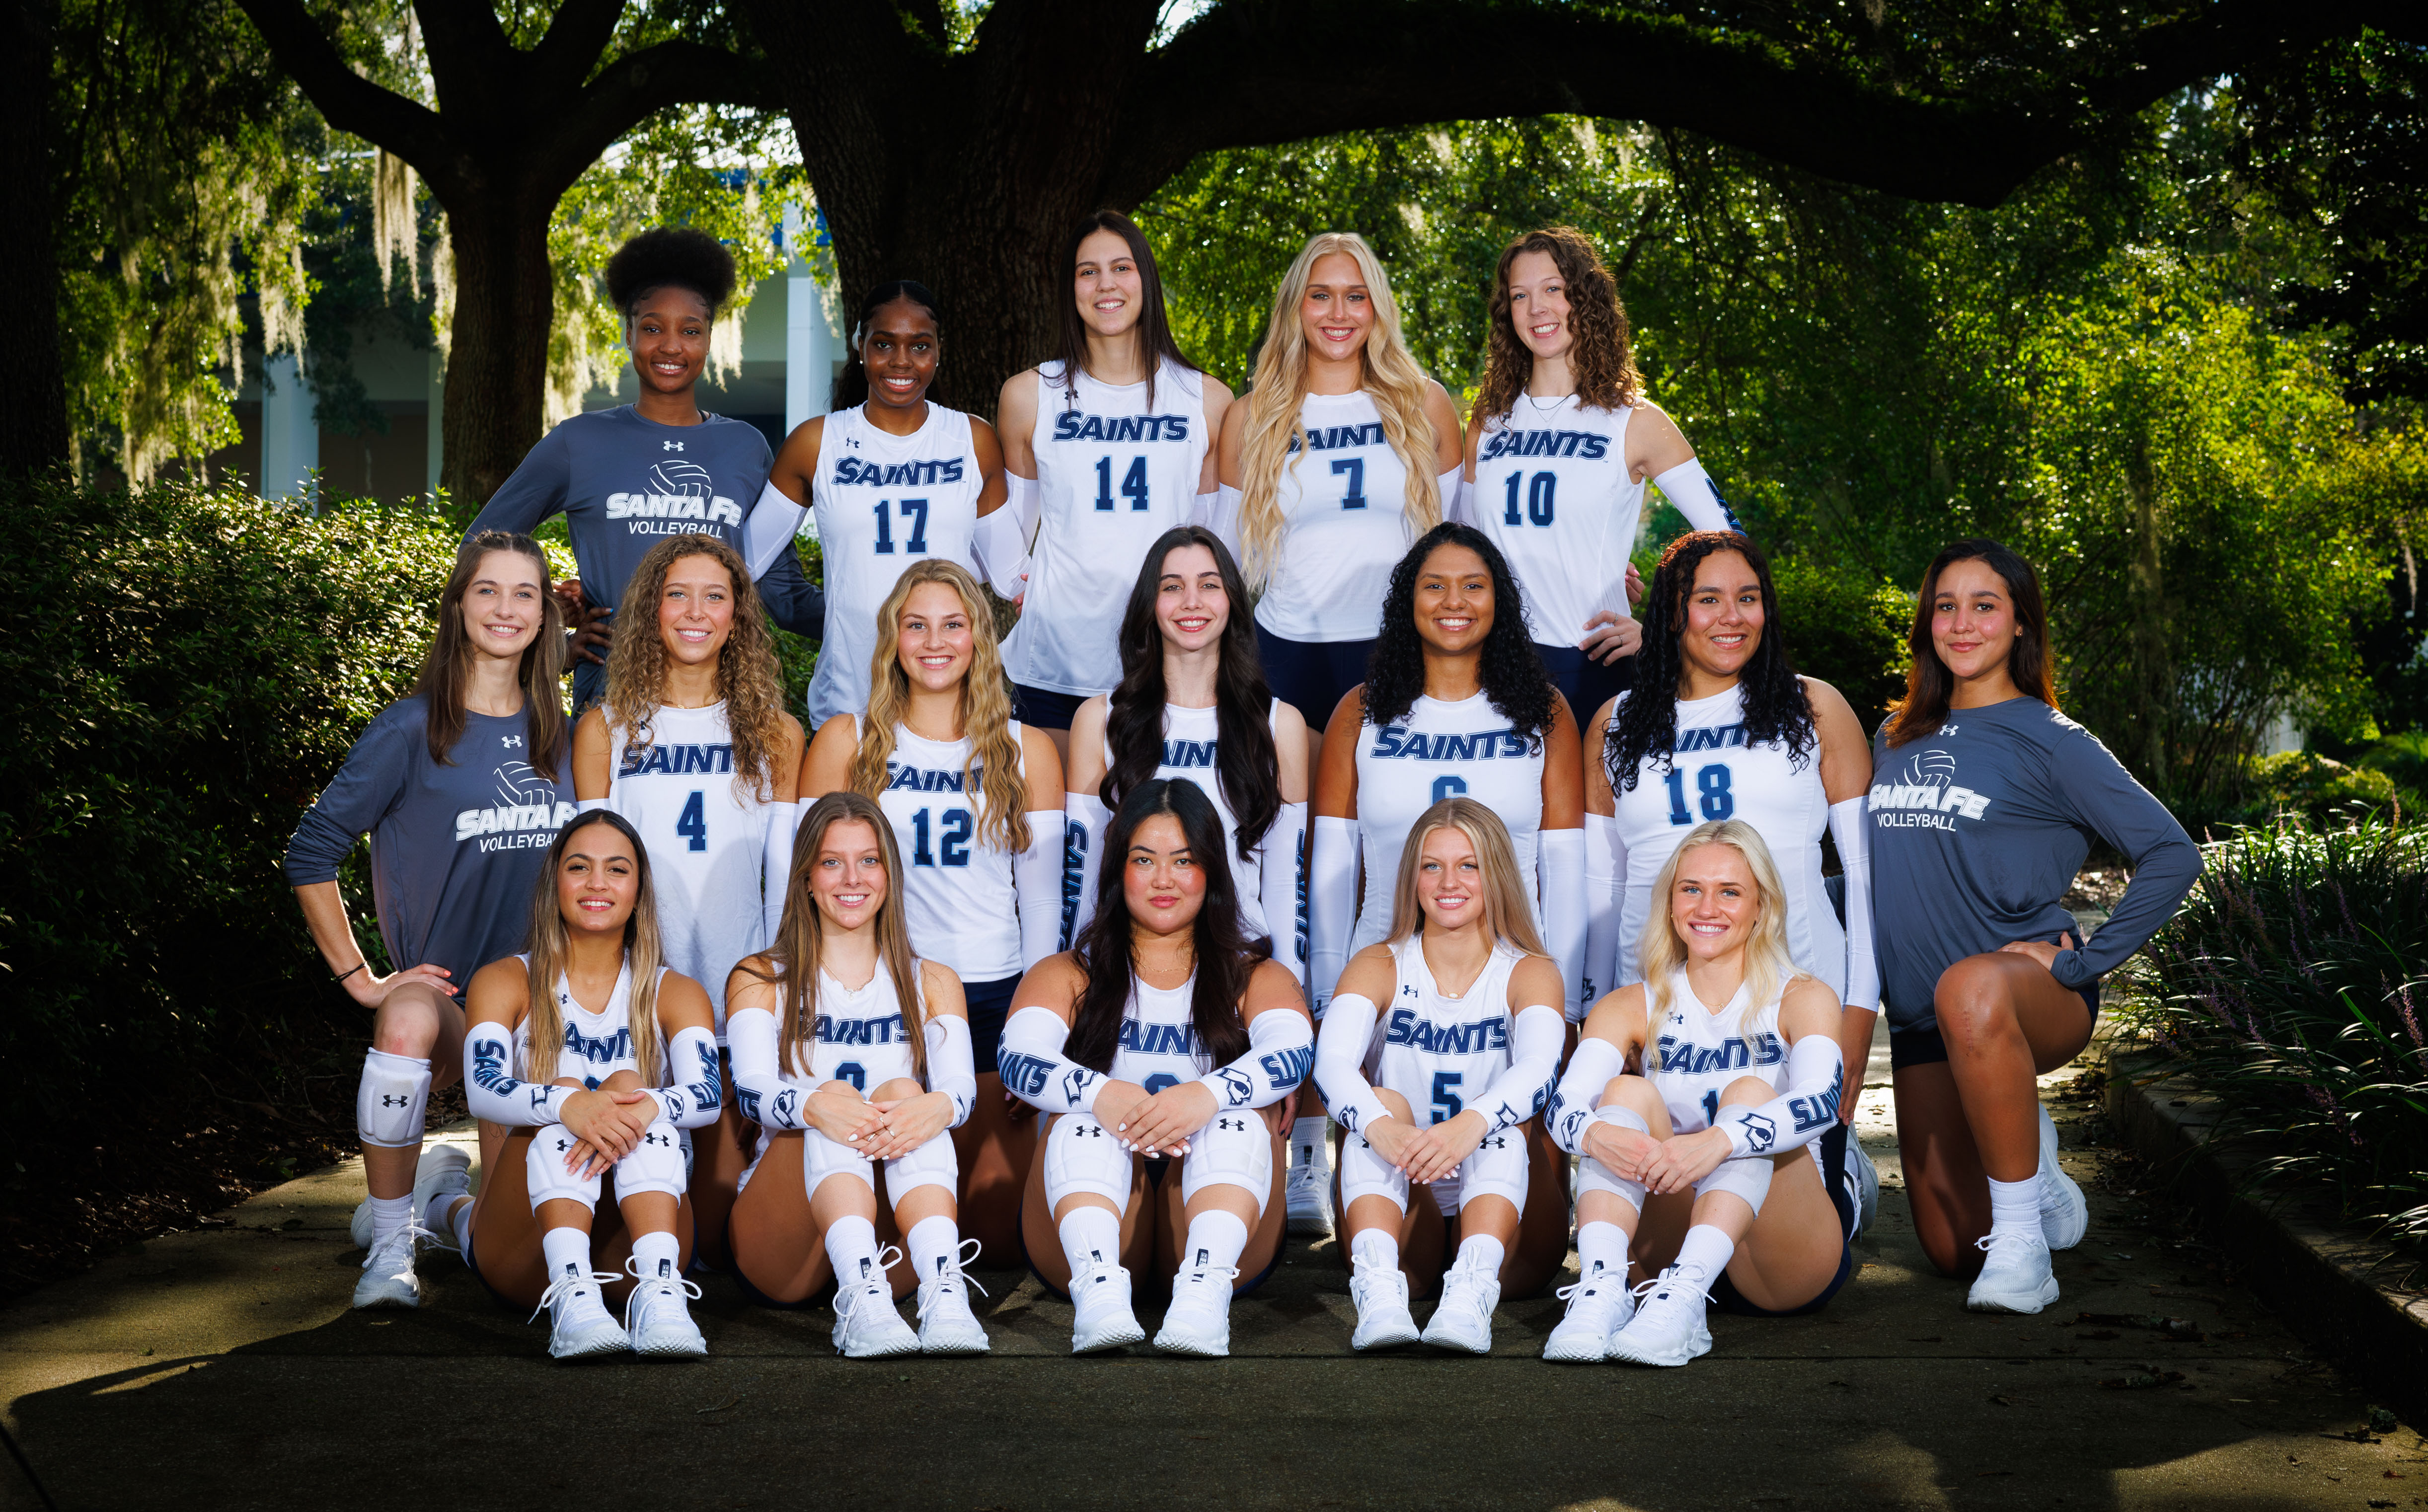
point(1848, 631)
point(183, 669)
point(2287, 986)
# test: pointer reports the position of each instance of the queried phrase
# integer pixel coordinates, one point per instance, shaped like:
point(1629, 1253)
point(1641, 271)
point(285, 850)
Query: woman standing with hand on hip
point(1106, 447)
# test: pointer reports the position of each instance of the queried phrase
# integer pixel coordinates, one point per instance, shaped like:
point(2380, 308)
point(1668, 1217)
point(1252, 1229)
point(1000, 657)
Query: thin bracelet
point(357, 966)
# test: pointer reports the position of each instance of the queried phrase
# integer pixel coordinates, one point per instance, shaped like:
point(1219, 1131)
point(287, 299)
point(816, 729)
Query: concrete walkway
point(224, 1369)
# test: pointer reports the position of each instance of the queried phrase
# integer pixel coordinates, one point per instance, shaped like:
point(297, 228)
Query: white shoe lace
point(1992, 1242)
point(1646, 1293)
point(1587, 1291)
point(568, 1288)
point(1465, 1287)
point(402, 1239)
point(647, 1285)
point(1203, 1277)
point(951, 1275)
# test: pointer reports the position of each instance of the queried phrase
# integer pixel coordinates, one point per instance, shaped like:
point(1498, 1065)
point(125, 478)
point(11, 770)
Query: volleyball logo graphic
point(521, 785)
point(1930, 768)
point(679, 479)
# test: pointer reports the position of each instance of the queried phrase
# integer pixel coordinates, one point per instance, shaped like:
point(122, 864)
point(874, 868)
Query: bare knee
point(845, 1088)
point(898, 1088)
point(1396, 1104)
point(1746, 1091)
point(1640, 1097)
point(1974, 997)
point(407, 1022)
point(622, 1081)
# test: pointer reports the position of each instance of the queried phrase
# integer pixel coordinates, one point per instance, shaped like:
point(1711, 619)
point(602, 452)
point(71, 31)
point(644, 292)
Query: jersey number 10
point(1538, 499)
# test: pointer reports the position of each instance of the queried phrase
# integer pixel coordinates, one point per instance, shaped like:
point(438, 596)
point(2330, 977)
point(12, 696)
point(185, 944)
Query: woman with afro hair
point(629, 477)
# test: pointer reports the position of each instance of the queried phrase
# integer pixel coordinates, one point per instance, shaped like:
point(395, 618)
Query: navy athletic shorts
point(1311, 675)
point(1928, 1047)
point(1829, 1154)
point(1044, 708)
point(990, 1004)
point(1587, 684)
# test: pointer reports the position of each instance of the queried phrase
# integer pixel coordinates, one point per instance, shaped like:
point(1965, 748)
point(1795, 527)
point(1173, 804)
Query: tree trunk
point(33, 383)
point(497, 358)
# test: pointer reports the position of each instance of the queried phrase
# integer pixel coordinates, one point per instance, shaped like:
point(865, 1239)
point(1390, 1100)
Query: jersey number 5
point(1712, 781)
point(1447, 1105)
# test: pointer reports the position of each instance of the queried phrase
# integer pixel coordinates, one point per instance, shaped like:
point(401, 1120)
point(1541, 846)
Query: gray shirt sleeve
point(532, 493)
point(792, 601)
point(367, 787)
point(2166, 863)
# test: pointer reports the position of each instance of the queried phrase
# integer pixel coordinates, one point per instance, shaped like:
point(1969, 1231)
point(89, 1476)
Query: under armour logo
point(670, 446)
point(511, 741)
point(390, 1099)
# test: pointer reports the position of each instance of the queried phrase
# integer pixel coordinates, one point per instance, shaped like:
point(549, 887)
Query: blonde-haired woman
point(1435, 1091)
point(850, 1050)
point(693, 745)
point(1341, 454)
point(973, 798)
point(1743, 1074)
point(594, 1056)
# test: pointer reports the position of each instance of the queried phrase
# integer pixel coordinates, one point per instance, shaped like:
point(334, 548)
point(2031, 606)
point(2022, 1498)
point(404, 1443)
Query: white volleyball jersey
point(1699, 1051)
point(884, 502)
point(1715, 775)
point(1435, 1050)
point(959, 902)
point(596, 1045)
point(1552, 490)
point(1159, 1046)
point(1439, 750)
point(1344, 503)
point(1114, 472)
point(1189, 746)
point(707, 840)
point(859, 1036)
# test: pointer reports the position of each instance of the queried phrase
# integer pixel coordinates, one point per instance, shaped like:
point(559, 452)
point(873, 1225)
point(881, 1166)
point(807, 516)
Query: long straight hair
point(1929, 685)
point(1505, 913)
point(993, 768)
point(1599, 352)
point(1247, 765)
point(551, 943)
point(747, 677)
point(1107, 950)
point(447, 667)
point(1769, 964)
point(1155, 342)
point(800, 937)
point(1276, 437)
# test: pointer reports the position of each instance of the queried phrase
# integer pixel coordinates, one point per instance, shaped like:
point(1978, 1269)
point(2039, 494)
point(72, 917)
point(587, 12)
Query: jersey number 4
point(692, 824)
point(1538, 499)
point(1133, 484)
point(913, 510)
point(1711, 782)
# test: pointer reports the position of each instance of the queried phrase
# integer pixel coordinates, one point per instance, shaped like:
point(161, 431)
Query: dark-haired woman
point(1984, 803)
point(461, 787)
point(1106, 447)
point(894, 478)
point(1558, 449)
point(1157, 1043)
point(1740, 737)
point(596, 1057)
point(629, 477)
point(849, 1051)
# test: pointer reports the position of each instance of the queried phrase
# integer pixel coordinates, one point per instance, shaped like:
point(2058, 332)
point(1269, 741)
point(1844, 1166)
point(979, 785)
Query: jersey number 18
point(1712, 781)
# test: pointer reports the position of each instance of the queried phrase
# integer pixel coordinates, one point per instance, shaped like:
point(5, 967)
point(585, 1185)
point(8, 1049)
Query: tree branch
point(628, 90)
point(578, 36)
point(346, 99)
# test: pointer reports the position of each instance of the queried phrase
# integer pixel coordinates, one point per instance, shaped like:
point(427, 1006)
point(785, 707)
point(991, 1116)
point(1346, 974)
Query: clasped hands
point(1664, 1166)
point(1154, 1123)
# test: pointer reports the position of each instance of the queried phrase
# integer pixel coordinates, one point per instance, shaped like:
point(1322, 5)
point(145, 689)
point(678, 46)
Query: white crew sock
point(658, 1255)
point(1091, 1235)
point(388, 1215)
point(851, 1244)
point(1601, 1246)
point(1214, 1243)
point(1375, 1246)
point(2015, 1208)
point(932, 1243)
point(565, 1250)
point(1310, 1144)
point(1709, 1249)
point(1481, 1251)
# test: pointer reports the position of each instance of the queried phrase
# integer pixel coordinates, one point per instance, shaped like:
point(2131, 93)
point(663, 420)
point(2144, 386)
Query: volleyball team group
point(1344, 839)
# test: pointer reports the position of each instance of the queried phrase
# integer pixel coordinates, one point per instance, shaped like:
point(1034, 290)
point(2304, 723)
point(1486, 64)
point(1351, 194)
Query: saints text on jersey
point(1075, 425)
point(677, 761)
point(1736, 1053)
point(1417, 1032)
point(851, 471)
point(1338, 437)
point(900, 777)
point(1591, 445)
point(1481, 746)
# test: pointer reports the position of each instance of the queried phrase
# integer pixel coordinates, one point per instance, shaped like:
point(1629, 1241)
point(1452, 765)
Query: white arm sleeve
point(1224, 518)
point(1449, 487)
point(1537, 1036)
point(1800, 1114)
point(1281, 1045)
point(1085, 820)
point(490, 1088)
point(1560, 858)
point(1573, 1100)
point(1035, 1070)
point(1605, 870)
point(589, 805)
point(1204, 509)
point(1341, 1044)
point(1852, 831)
point(951, 1067)
point(1696, 497)
point(768, 529)
point(1021, 496)
point(1037, 882)
point(1001, 545)
point(784, 823)
point(760, 1091)
point(696, 1103)
point(1459, 505)
point(1282, 890)
point(1331, 906)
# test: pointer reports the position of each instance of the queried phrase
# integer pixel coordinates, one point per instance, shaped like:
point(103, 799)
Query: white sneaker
point(387, 1279)
point(1383, 1322)
point(2065, 1217)
point(578, 1324)
point(657, 1315)
point(2015, 1277)
point(1463, 1319)
point(1867, 1178)
point(866, 1325)
point(1599, 1307)
point(946, 1324)
point(1100, 1298)
point(443, 1173)
point(364, 1228)
point(1309, 1189)
point(1668, 1328)
point(1199, 1320)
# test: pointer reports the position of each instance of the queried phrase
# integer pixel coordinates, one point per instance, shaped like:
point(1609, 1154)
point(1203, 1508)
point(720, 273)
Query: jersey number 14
point(1133, 484)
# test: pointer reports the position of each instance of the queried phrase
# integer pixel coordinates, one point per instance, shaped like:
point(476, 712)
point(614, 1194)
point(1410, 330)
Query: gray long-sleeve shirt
point(1978, 832)
point(455, 849)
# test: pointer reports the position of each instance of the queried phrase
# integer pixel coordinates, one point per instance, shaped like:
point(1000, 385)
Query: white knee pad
point(1365, 1174)
point(1497, 1169)
point(547, 1175)
point(932, 1164)
point(1235, 1150)
point(656, 1164)
point(822, 1157)
point(1749, 1178)
point(1592, 1176)
point(1080, 1156)
point(391, 1101)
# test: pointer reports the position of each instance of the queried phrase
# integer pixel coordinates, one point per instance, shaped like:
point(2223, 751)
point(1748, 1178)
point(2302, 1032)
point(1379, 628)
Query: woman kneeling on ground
point(1705, 1165)
point(1155, 1043)
point(842, 1069)
point(594, 1055)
